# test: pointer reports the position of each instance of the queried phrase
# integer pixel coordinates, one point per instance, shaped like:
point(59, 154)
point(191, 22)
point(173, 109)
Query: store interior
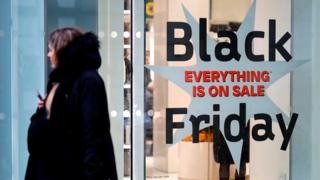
point(186, 160)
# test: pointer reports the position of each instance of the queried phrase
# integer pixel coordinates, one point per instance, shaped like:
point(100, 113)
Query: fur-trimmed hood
point(79, 55)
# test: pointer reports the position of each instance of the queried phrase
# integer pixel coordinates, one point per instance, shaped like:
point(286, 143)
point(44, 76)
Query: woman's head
point(59, 39)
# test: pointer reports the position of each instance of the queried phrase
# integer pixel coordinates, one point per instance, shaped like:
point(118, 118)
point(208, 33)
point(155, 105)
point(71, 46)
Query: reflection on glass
point(183, 160)
point(127, 88)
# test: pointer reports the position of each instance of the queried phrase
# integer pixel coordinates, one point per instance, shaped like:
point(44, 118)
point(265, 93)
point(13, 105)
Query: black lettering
point(266, 127)
point(248, 46)
point(273, 45)
point(203, 40)
point(241, 118)
point(286, 133)
point(172, 41)
point(232, 46)
point(196, 125)
point(170, 124)
point(216, 124)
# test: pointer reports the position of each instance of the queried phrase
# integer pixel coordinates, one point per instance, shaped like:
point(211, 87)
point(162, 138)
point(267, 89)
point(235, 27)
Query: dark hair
point(61, 37)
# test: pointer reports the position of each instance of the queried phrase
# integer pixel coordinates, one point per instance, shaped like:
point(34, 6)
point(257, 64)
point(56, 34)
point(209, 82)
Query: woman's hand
point(40, 104)
point(40, 101)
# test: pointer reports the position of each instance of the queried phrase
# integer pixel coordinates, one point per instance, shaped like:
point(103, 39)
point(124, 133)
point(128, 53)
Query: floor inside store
point(153, 173)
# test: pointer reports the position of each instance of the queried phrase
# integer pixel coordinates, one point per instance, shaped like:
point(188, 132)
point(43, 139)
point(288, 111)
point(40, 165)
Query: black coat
point(75, 143)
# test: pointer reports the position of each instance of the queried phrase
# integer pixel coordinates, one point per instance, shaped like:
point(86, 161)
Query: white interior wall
point(224, 11)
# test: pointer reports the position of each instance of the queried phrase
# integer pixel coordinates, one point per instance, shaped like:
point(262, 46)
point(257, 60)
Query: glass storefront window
point(166, 87)
point(24, 28)
point(163, 64)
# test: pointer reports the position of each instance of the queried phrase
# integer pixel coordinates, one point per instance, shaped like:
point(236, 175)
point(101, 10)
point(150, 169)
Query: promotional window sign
point(228, 76)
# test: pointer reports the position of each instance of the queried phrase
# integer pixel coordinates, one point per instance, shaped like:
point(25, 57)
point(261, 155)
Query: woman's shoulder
point(90, 77)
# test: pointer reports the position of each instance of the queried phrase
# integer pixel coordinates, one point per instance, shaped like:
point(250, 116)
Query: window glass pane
point(27, 75)
point(187, 55)
point(24, 28)
point(5, 91)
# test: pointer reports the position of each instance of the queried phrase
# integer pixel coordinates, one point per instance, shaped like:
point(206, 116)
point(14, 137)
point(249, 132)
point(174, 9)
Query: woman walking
point(69, 135)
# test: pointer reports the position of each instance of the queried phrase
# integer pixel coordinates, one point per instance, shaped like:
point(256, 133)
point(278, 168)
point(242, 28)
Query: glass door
point(167, 100)
point(190, 123)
